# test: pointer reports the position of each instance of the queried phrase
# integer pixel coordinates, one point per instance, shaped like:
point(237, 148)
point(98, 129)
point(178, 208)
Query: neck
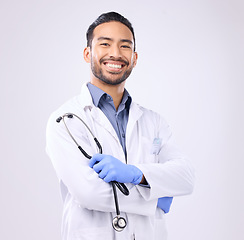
point(115, 91)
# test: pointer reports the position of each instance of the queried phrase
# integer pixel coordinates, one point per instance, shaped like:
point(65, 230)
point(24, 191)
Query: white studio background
point(190, 70)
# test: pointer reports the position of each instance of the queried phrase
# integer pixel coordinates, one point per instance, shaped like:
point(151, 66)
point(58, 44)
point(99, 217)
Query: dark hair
point(108, 17)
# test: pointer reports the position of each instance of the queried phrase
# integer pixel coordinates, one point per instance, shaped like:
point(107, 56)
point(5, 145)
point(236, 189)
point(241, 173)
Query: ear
point(135, 59)
point(87, 54)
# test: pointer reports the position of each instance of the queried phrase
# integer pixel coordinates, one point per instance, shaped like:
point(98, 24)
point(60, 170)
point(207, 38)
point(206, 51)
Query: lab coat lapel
point(134, 115)
point(99, 117)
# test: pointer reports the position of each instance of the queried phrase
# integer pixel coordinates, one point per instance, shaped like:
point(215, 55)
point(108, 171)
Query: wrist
point(143, 180)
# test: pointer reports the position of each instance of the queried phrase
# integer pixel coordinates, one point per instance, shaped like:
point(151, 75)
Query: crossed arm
point(171, 178)
point(110, 169)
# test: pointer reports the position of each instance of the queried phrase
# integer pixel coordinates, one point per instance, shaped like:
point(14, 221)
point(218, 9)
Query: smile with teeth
point(114, 65)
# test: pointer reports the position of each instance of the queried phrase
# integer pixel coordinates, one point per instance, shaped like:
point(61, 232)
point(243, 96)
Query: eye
point(125, 46)
point(104, 44)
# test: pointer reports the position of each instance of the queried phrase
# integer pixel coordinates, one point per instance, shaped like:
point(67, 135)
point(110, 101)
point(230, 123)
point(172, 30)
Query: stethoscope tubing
point(120, 186)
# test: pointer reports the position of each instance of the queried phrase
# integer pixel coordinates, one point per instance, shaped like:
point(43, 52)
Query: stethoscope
point(118, 223)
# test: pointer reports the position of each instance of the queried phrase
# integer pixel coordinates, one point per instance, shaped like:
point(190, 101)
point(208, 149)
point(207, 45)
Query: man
point(136, 142)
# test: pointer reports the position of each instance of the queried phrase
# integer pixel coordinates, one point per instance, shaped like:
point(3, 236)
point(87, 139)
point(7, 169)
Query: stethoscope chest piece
point(119, 223)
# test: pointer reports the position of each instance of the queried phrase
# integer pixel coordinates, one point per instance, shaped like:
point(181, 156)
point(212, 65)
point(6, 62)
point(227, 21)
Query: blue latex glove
point(164, 203)
point(110, 169)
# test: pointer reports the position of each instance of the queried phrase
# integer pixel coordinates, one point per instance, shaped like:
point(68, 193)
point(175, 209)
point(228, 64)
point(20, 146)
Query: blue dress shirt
point(119, 118)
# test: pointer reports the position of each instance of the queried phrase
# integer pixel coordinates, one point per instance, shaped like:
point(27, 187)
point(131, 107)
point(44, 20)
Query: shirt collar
point(97, 95)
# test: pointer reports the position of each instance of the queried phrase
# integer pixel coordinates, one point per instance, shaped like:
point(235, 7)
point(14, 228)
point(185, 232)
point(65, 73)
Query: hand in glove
point(164, 203)
point(110, 169)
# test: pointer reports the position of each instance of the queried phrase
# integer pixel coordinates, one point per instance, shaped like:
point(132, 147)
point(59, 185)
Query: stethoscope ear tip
point(58, 119)
point(69, 115)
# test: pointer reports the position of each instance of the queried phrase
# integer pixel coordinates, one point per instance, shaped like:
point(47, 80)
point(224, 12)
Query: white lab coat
point(88, 201)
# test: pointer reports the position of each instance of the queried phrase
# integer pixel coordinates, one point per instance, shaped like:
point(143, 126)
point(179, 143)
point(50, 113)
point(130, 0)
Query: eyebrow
point(110, 39)
point(104, 38)
point(127, 40)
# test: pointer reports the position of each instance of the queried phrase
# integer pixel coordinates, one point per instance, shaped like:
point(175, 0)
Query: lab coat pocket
point(148, 151)
point(101, 233)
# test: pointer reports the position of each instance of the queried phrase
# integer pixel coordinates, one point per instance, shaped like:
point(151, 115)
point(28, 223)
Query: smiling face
point(111, 53)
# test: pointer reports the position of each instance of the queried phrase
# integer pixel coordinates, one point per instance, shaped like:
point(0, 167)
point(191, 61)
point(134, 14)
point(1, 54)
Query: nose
point(114, 51)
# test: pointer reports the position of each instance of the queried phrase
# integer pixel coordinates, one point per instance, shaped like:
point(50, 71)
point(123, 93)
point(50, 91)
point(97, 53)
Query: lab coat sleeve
point(84, 185)
point(172, 175)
